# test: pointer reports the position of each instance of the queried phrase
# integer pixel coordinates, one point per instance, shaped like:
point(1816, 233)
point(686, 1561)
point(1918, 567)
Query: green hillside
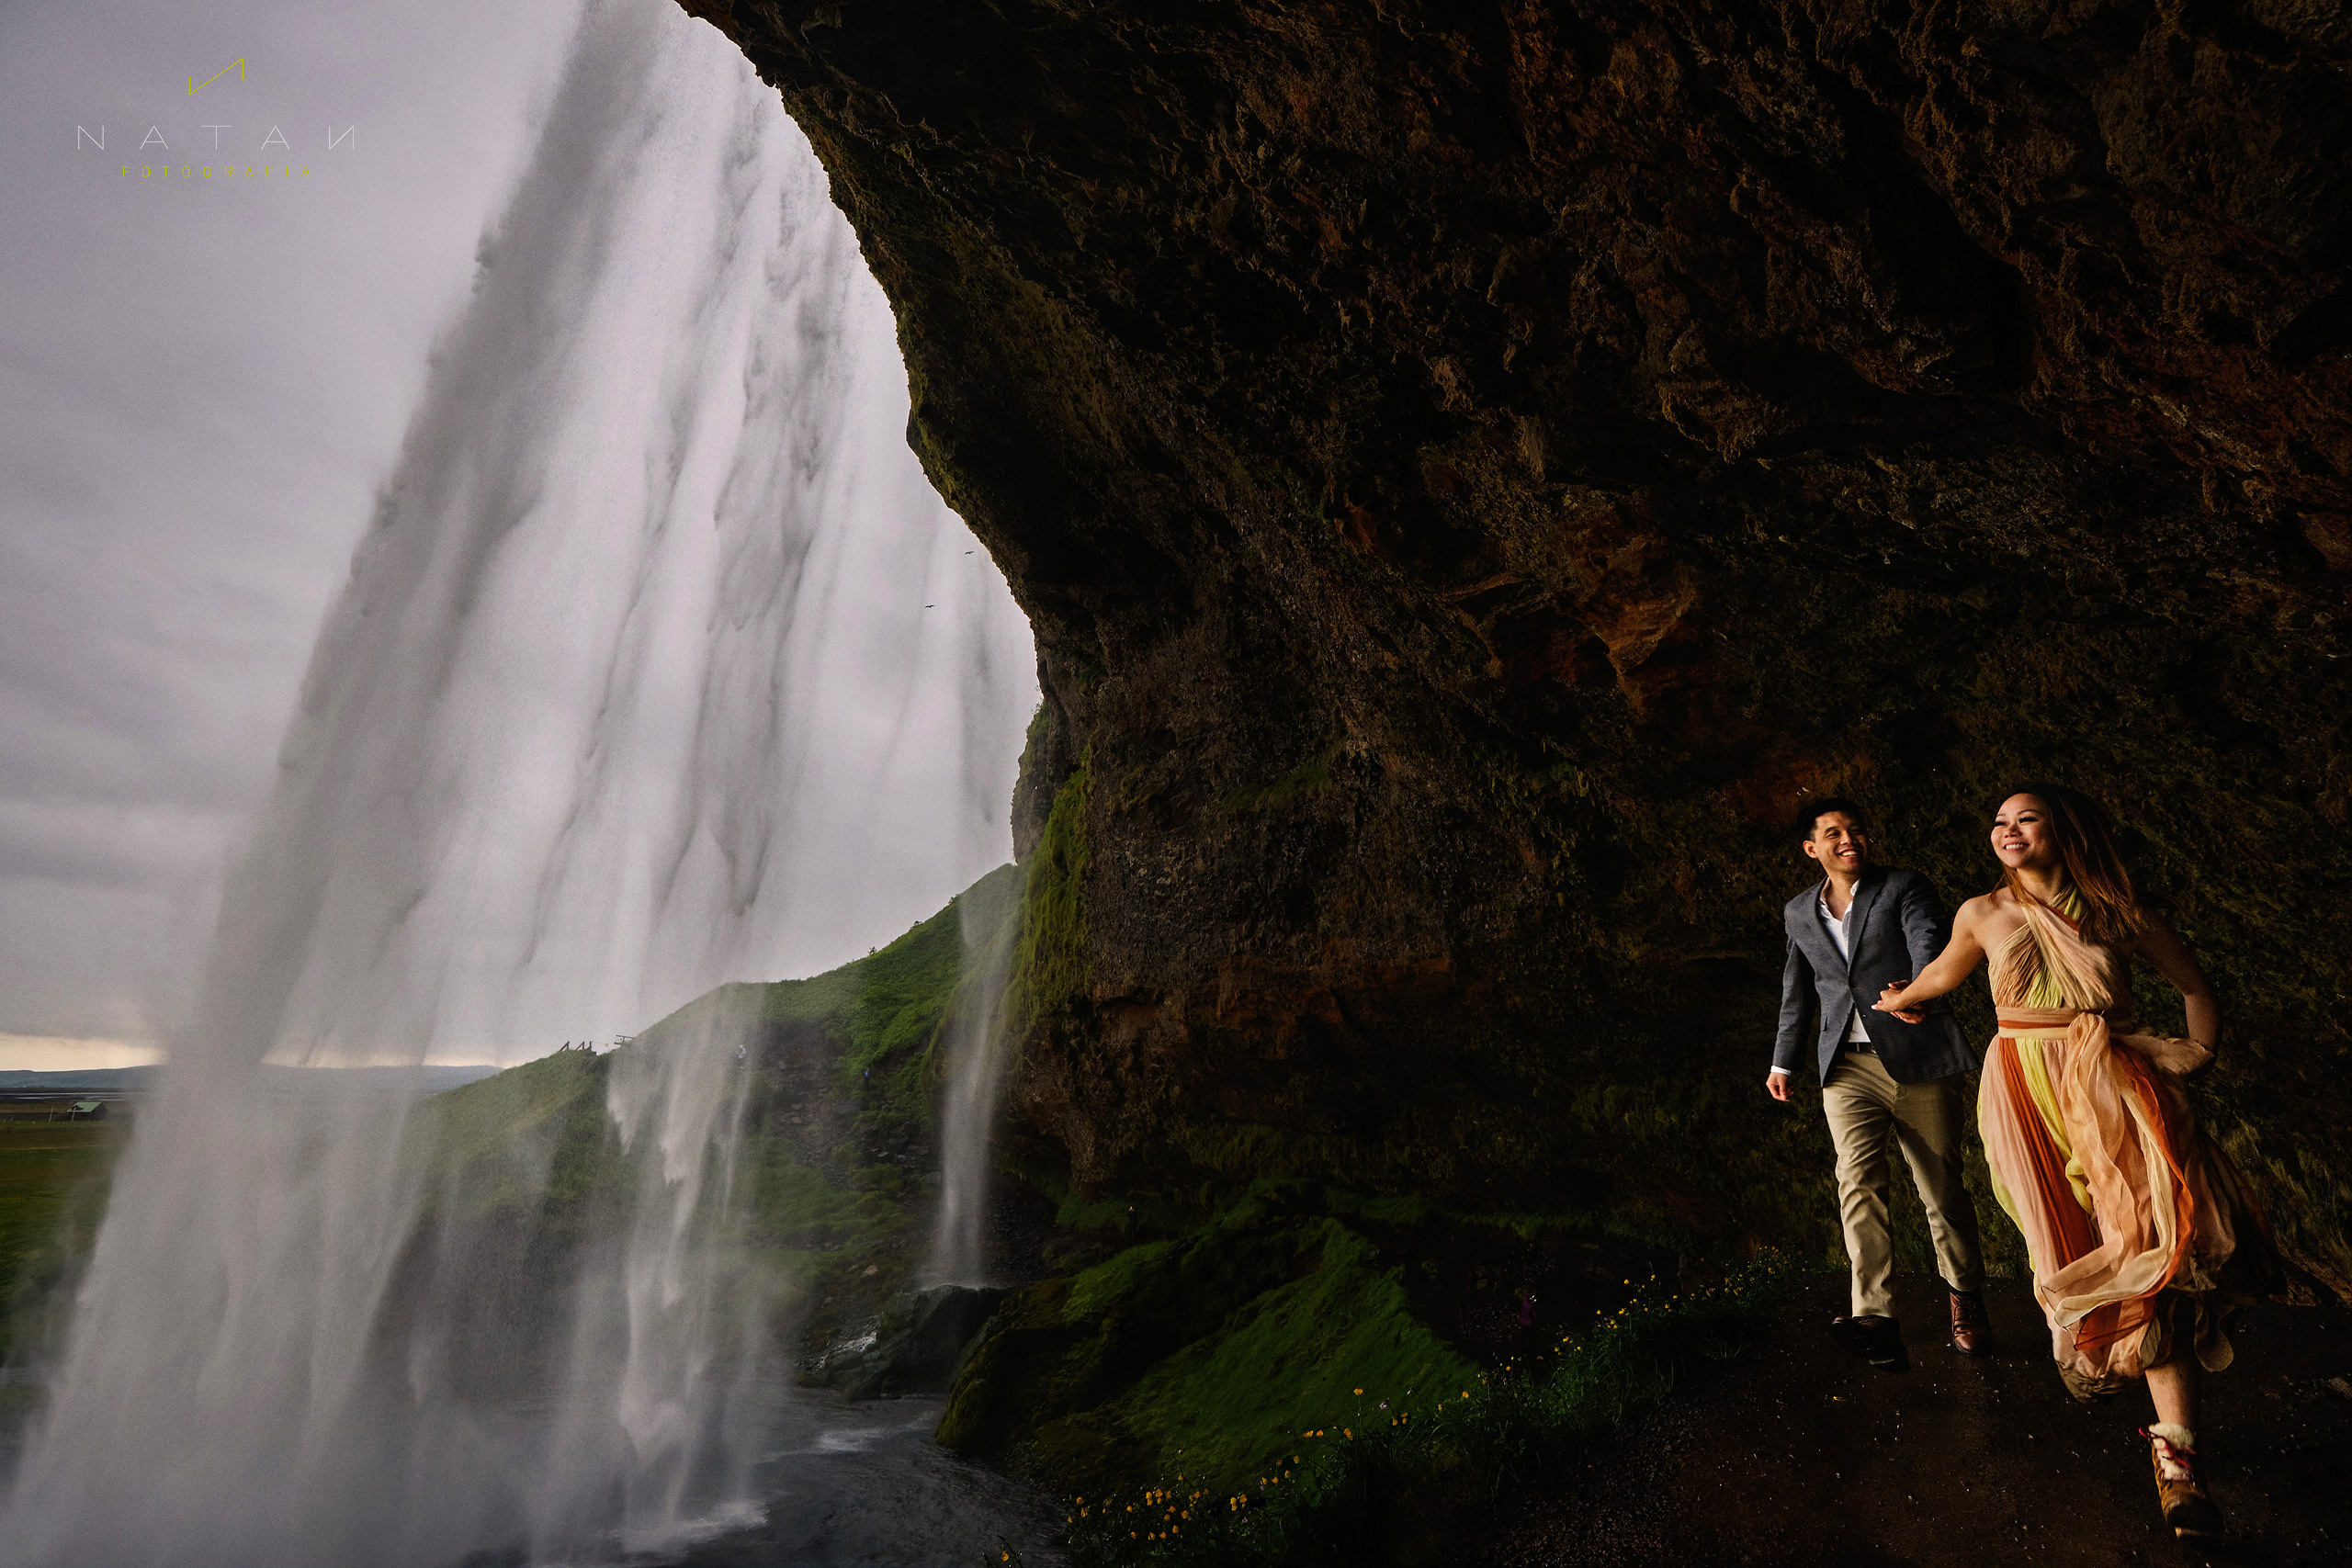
point(837, 1132)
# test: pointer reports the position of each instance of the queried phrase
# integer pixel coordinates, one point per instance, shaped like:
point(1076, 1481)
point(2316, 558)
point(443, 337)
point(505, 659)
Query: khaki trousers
point(1864, 1105)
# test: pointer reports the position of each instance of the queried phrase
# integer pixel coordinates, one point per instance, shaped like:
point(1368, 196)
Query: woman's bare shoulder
point(1995, 917)
point(1985, 906)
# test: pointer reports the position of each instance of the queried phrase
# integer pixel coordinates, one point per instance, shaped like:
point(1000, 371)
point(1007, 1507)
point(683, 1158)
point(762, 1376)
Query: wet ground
point(1802, 1455)
point(863, 1483)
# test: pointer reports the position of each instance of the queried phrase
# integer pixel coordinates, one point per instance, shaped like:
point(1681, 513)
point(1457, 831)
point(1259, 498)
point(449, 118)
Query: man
point(1902, 1075)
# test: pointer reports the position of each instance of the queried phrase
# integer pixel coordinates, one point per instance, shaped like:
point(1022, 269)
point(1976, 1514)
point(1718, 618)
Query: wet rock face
point(911, 1350)
point(1475, 468)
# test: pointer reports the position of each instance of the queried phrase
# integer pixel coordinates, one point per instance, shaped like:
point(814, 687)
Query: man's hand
point(1886, 1003)
point(1775, 1084)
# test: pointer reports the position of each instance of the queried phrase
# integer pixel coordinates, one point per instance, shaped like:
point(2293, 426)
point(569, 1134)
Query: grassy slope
point(531, 1138)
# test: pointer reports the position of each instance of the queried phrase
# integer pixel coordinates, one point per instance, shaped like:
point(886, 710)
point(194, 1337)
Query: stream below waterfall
point(850, 1483)
point(863, 1483)
point(839, 1483)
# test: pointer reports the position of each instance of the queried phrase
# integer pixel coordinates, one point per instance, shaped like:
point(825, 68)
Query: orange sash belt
point(2098, 1030)
point(2042, 1024)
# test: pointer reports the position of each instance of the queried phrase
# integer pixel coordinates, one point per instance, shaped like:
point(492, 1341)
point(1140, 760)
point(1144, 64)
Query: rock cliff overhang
point(1474, 468)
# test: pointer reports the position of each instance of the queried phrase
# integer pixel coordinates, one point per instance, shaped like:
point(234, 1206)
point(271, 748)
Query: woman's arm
point(2162, 947)
point(1955, 964)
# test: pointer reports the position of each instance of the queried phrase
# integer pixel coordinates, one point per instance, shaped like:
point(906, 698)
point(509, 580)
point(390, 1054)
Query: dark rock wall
point(1473, 468)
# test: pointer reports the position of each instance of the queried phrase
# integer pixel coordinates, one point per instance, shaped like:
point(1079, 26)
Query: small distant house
point(86, 1110)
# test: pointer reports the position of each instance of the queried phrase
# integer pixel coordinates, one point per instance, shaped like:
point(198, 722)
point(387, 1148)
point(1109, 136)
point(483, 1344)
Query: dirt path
point(1801, 1455)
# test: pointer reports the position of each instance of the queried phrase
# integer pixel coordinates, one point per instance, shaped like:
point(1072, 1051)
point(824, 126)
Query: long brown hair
point(2111, 914)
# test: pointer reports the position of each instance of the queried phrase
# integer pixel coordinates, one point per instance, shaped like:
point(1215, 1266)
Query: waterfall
point(978, 1053)
point(660, 665)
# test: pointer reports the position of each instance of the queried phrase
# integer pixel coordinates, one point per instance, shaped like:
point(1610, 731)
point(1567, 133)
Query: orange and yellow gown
point(2126, 1206)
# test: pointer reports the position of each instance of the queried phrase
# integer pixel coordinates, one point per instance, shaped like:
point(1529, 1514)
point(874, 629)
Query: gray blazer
point(1895, 929)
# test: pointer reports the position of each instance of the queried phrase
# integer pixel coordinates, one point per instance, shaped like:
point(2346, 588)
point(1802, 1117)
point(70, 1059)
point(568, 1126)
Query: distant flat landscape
point(131, 1081)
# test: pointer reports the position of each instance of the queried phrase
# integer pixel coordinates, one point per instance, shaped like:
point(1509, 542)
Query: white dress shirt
point(1855, 1034)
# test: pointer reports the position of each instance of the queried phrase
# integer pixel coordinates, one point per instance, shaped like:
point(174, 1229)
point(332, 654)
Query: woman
point(2141, 1231)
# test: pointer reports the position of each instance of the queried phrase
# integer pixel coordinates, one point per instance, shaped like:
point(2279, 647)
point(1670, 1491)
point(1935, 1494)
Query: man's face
point(1840, 843)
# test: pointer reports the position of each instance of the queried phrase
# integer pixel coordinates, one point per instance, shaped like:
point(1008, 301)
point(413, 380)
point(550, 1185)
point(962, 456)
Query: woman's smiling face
point(2022, 835)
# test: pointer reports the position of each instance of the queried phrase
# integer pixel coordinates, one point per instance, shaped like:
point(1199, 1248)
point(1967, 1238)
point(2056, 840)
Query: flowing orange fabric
point(2126, 1206)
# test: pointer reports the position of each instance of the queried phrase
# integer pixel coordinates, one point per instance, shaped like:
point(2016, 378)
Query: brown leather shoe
point(1972, 1333)
point(1875, 1339)
point(2180, 1492)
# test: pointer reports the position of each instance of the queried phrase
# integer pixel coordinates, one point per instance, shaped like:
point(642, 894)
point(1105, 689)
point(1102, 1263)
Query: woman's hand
point(1891, 1001)
point(1956, 963)
point(2175, 1058)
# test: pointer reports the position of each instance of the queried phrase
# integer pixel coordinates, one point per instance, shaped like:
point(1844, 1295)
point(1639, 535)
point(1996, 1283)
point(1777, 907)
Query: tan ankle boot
point(2179, 1492)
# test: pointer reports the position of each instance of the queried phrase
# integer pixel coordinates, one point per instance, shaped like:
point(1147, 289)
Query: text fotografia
point(223, 171)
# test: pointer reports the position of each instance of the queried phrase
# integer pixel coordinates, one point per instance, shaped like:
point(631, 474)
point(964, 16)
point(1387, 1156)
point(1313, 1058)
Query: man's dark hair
point(1817, 810)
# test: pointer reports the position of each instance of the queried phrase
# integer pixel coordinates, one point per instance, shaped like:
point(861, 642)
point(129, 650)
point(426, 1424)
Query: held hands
point(1888, 1001)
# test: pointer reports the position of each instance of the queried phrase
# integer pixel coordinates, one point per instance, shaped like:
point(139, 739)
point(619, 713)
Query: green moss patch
point(1203, 1354)
point(1308, 778)
point(1400, 1471)
point(1224, 1408)
point(1051, 967)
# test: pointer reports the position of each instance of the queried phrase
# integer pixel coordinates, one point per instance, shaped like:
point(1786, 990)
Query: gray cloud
point(202, 385)
point(209, 387)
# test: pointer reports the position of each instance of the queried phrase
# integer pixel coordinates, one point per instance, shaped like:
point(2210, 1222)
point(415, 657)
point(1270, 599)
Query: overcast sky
point(202, 382)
